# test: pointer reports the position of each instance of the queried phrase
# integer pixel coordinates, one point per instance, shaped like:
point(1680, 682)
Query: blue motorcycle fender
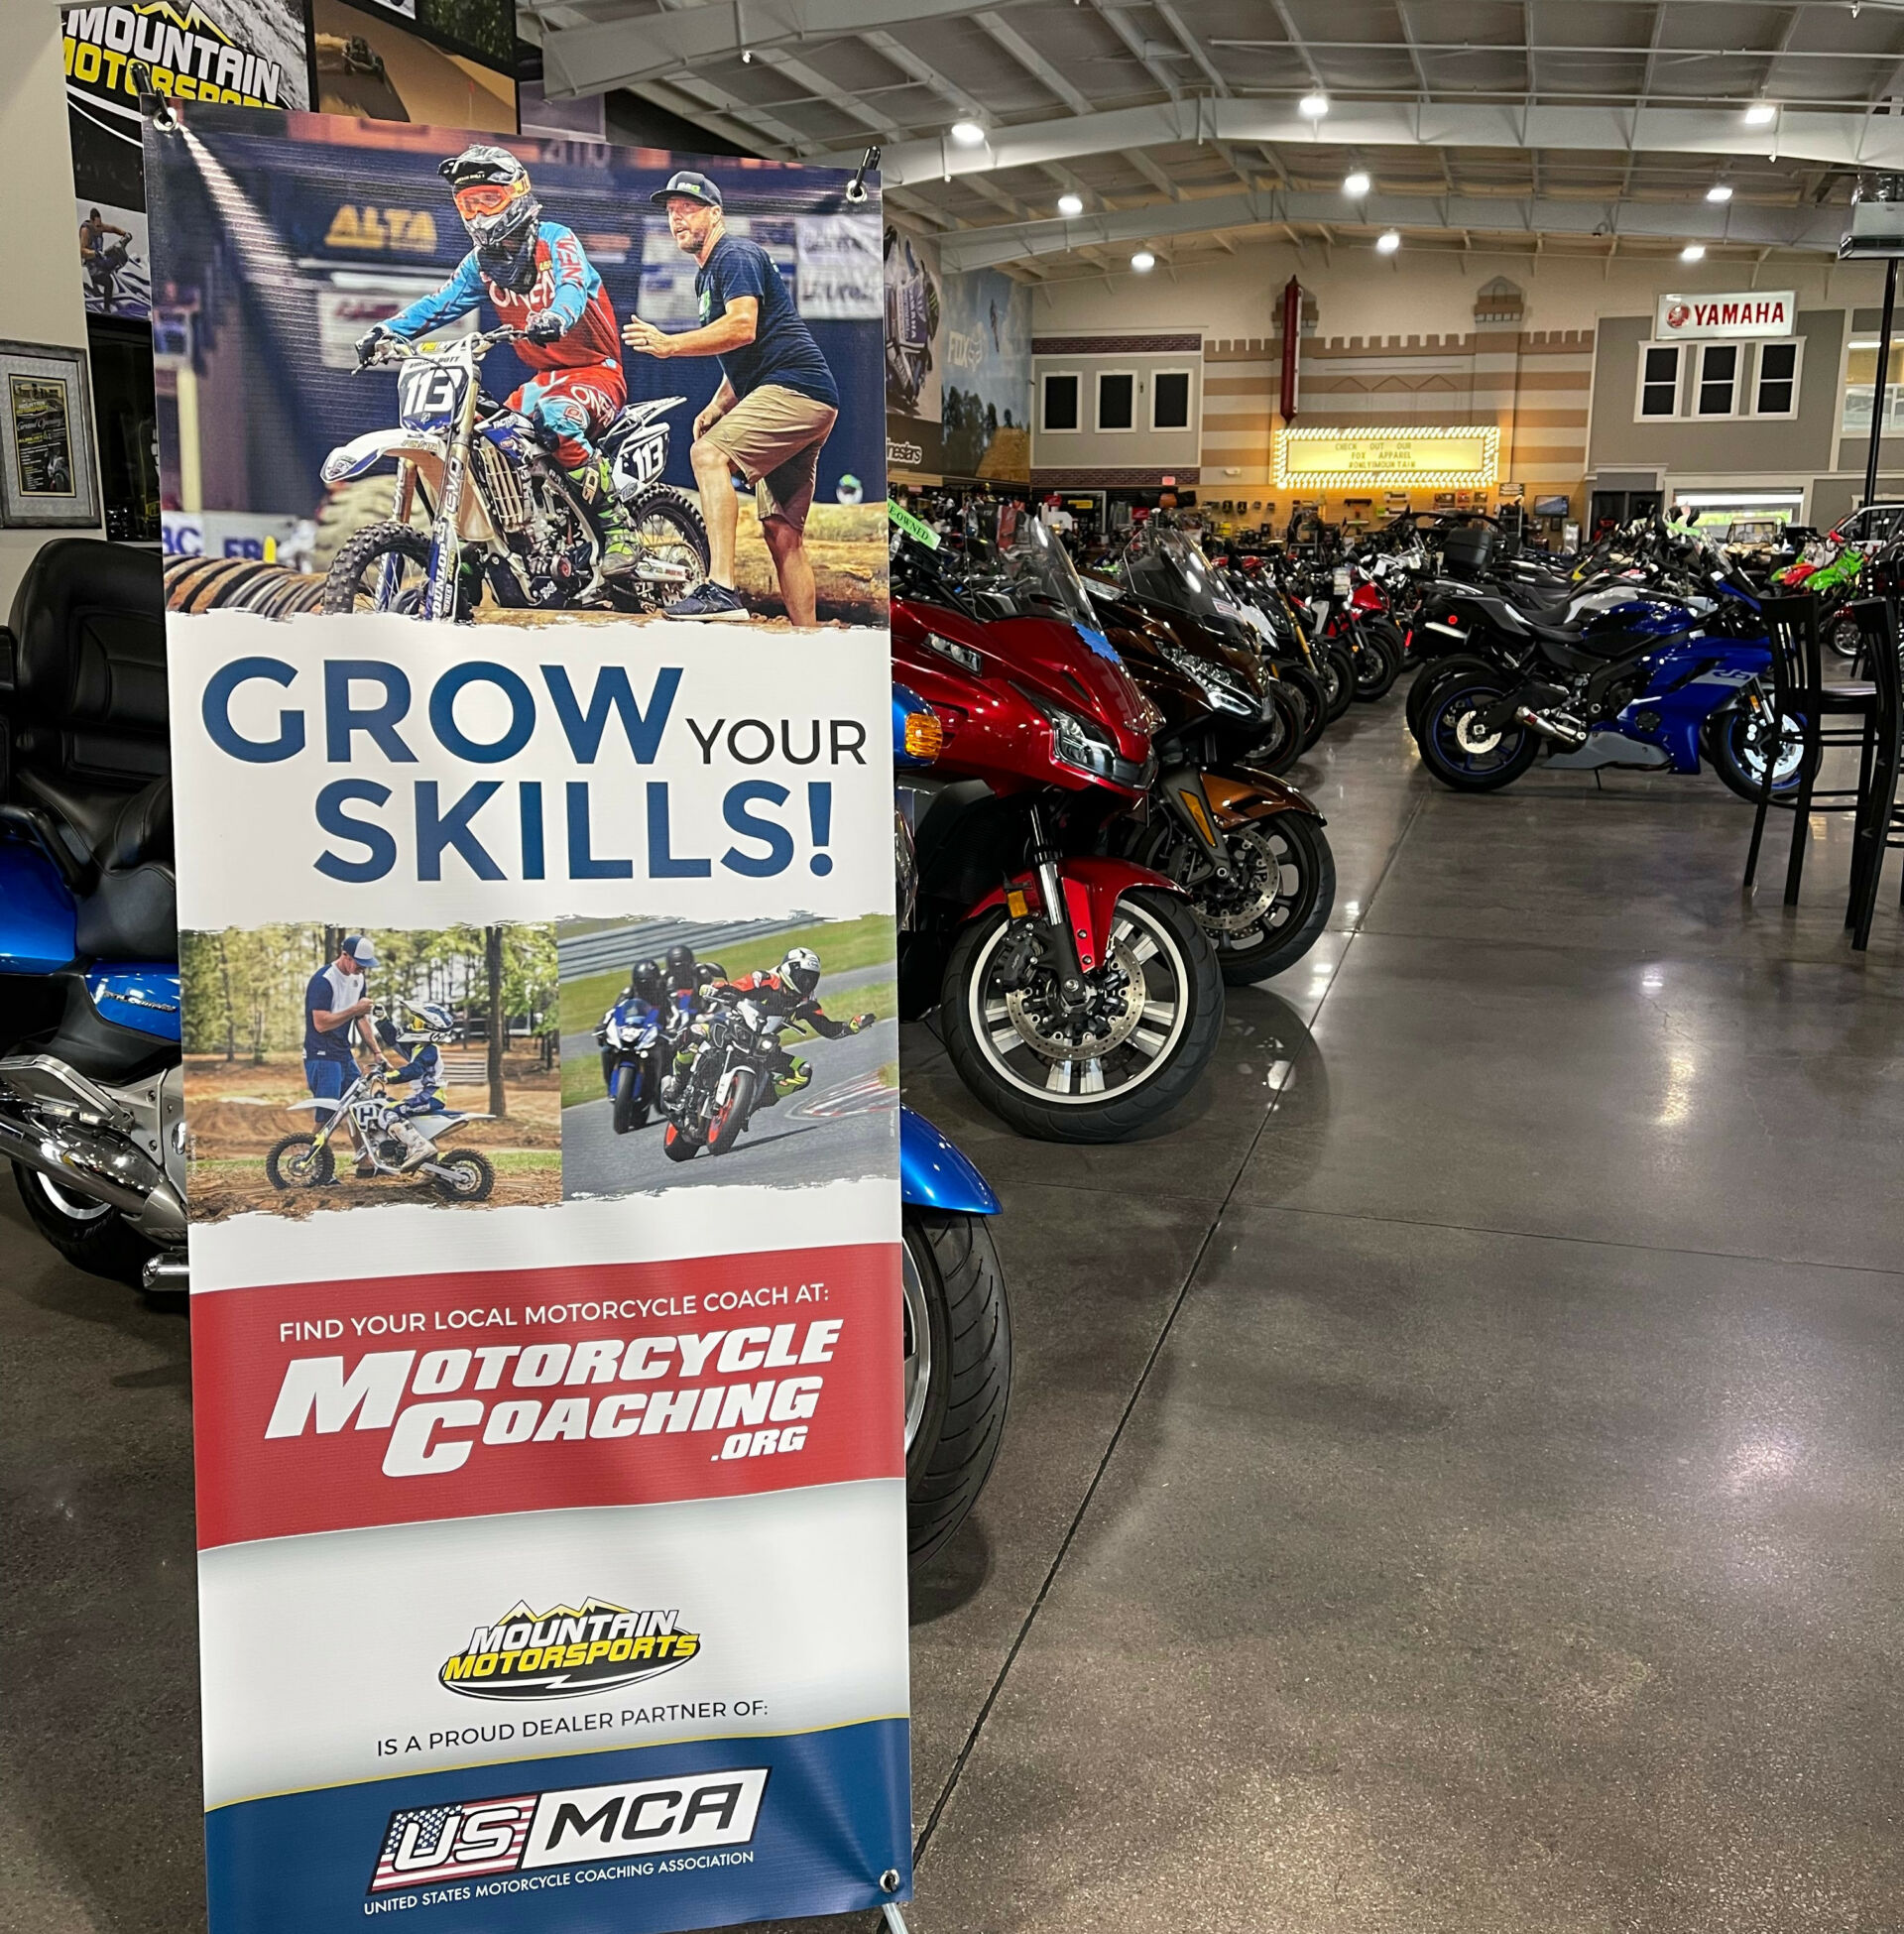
point(933, 1174)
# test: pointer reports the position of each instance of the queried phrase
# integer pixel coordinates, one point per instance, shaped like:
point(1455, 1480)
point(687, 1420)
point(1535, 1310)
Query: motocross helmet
point(499, 211)
point(800, 970)
point(432, 1021)
point(645, 982)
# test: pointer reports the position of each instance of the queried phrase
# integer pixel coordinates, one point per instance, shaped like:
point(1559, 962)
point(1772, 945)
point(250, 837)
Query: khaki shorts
point(773, 437)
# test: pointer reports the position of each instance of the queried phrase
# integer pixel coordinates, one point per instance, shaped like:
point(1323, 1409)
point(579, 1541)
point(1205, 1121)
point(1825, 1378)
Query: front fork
point(1069, 934)
point(1189, 805)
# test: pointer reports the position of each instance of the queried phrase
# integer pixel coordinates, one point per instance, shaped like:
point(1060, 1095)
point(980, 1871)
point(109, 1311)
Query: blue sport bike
point(1653, 681)
point(91, 1088)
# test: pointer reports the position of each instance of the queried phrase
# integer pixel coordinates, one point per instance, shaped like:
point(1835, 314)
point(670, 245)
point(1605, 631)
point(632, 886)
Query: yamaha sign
point(1750, 312)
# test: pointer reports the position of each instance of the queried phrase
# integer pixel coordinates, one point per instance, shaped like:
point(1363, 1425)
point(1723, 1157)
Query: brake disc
point(1120, 1012)
point(1472, 735)
point(1261, 883)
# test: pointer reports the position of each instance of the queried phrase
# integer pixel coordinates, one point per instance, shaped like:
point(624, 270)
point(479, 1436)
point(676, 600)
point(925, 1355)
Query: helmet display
point(432, 1021)
point(498, 206)
point(644, 982)
point(681, 965)
point(802, 969)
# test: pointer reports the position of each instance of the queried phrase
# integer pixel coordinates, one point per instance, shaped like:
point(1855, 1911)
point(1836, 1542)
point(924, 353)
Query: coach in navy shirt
point(776, 405)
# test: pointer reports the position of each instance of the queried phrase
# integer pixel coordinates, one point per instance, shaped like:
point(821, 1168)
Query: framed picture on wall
point(47, 478)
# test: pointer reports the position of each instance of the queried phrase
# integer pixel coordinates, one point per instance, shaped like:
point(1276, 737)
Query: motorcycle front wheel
point(1734, 745)
point(298, 1163)
point(381, 567)
point(729, 1119)
point(1377, 654)
point(1150, 1024)
point(472, 1180)
point(90, 1235)
point(1465, 755)
point(1281, 743)
point(678, 1144)
point(1336, 672)
point(630, 1104)
point(1283, 890)
point(958, 1371)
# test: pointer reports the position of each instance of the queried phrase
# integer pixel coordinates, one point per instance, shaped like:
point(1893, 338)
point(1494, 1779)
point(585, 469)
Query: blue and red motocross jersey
point(565, 281)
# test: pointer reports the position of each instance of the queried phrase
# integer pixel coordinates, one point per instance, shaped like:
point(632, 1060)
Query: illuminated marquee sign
point(1327, 457)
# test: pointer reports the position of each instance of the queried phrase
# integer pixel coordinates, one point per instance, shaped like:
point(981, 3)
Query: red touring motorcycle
point(1086, 1027)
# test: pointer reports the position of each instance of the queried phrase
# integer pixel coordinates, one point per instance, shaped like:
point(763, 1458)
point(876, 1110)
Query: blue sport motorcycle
point(91, 1087)
point(1650, 683)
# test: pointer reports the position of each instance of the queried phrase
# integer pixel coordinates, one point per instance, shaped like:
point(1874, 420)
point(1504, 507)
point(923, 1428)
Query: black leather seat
point(82, 689)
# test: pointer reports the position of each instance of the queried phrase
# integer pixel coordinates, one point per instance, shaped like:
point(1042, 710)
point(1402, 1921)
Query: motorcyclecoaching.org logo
point(567, 1651)
point(667, 1825)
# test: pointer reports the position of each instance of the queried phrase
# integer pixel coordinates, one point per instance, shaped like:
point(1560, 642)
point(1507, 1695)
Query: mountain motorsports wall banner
point(533, 829)
point(242, 53)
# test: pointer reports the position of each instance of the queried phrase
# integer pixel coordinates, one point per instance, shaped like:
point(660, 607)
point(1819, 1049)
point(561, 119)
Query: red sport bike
point(1079, 997)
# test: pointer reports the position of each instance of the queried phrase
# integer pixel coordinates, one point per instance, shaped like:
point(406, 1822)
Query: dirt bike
point(736, 1044)
point(311, 1161)
point(504, 515)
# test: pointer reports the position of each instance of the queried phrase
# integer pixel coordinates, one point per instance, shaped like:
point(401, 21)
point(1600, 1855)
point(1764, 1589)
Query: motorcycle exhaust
point(100, 1167)
point(165, 1273)
point(1555, 725)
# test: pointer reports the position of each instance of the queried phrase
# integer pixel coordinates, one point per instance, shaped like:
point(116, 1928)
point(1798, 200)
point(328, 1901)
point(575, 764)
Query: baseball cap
point(688, 182)
point(360, 950)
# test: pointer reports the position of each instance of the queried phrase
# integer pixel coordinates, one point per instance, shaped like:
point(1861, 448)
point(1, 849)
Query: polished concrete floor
point(1453, 1477)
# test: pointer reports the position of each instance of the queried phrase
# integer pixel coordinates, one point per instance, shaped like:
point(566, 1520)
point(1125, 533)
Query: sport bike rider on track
point(538, 278)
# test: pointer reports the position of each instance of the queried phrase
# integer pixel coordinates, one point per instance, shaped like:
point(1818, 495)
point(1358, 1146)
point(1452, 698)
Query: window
point(1776, 391)
point(1060, 402)
point(1659, 379)
point(1170, 400)
point(1717, 379)
point(1116, 400)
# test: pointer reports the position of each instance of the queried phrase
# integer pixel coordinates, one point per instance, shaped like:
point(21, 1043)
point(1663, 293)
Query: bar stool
point(1879, 825)
point(1826, 715)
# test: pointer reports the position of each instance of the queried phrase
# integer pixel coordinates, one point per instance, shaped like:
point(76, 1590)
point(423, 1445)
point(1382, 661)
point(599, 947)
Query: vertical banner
point(533, 831)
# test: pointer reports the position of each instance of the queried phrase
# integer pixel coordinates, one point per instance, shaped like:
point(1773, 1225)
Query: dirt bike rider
point(537, 277)
point(94, 251)
point(789, 993)
point(430, 1026)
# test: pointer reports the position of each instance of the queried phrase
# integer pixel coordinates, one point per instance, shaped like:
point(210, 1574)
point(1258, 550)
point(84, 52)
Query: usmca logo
point(567, 1651)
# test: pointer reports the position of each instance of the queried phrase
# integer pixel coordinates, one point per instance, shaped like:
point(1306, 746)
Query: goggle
point(487, 198)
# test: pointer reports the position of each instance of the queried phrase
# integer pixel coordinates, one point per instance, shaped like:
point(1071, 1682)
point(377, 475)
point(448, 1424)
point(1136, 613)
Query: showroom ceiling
point(1596, 127)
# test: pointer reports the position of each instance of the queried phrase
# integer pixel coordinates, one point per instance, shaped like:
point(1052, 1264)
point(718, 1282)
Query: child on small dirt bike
point(430, 1026)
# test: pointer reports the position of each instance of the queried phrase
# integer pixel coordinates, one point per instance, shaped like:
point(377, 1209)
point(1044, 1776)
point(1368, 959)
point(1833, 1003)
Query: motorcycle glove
point(365, 344)
point(862, 1022)
point(543, 327)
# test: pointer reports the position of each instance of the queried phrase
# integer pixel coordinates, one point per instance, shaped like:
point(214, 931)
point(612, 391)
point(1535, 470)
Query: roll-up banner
point(533, 833)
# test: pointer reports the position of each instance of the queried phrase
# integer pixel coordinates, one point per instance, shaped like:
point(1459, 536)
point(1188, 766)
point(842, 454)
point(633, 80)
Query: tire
point(955, 1414)
point(316, 1169)
point(629, 1112)
point(344, 588)
point(89, 1234)
point(1308, 688)
point(1299, 847)
point(678, 1144)
point(1377, 660)
point(725, 1128)
point(479, 1170)
point(1485, 768)
point(1431, 676)
point(664, 520)
point(1160, 1077)
point(1336, 670)
point(1729, 746)
point(1283, 746)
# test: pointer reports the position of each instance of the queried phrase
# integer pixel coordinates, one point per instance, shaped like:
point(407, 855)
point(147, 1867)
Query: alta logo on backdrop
point(566, 1650)
point(647, 1820)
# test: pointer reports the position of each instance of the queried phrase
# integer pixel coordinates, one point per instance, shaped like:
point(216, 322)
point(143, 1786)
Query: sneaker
point(709, 600)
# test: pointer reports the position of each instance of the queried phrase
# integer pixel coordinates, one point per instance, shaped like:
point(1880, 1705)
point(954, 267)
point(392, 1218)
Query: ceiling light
point(1693, 252)
point(1718, 191)
point(1388, 242)
point(968, 134)
point(1761, 114)
point(1143, 262)
point(1355, 184)
point(1070, 204)
point(1312, 107)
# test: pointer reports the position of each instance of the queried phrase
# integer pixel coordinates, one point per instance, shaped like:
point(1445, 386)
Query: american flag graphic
point(425, 1843)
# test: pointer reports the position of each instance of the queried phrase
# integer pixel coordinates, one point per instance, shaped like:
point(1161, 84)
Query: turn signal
point(924, 735)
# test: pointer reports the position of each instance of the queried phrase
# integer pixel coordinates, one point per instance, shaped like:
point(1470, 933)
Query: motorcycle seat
point(131, 913)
